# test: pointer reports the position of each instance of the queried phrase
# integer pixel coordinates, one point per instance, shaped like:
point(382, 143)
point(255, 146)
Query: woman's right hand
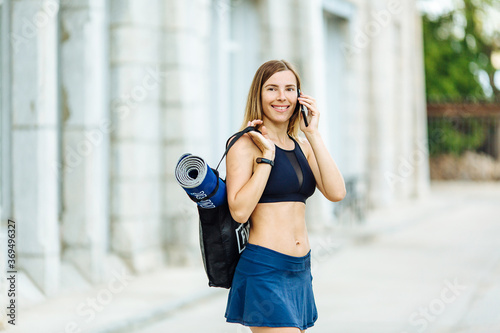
point(245, 179)
point(262, 141)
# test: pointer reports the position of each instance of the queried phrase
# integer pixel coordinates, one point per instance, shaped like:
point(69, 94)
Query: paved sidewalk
point(430, 266)
point(121, 303)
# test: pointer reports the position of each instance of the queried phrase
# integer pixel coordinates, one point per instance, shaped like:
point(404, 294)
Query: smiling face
point(279, 97)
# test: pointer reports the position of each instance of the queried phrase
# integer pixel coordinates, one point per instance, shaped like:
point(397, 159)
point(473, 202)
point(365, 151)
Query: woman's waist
point(281, 238)
point(291, 248)
point(280, 212)
point(265, 256)
point(281, 227)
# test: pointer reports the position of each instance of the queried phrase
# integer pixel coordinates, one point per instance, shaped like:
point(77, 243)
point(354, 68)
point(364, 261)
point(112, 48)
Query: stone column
point(403, 94)
point(5, 114)
point(420, 144)
point(35, 123)
point(382, 152)
point(411, 161)
point(137, 79)
point(309, 48)
point(5, 150)
point(86, 129)
point(417, 159)
point(279, 40)
point(188, 117)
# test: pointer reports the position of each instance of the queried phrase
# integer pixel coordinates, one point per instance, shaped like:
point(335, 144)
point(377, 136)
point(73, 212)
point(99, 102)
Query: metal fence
point(455, 128)
point(352, 209)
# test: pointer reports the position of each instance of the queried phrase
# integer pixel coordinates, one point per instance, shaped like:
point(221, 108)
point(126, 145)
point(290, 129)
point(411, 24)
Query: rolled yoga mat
point(198, 180)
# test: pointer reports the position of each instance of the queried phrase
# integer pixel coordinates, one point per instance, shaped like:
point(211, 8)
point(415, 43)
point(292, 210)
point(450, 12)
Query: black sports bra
point(291, 178)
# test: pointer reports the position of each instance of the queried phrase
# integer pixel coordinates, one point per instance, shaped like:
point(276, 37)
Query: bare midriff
point(280, 226)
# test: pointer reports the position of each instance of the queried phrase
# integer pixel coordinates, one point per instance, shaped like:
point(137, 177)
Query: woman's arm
point(328, 177)
point(245, 179)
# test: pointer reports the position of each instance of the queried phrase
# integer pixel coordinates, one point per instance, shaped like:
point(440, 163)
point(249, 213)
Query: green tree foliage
point(458, 46)
point(455, 136)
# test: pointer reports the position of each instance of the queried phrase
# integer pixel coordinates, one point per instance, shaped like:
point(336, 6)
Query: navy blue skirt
point(272, 289)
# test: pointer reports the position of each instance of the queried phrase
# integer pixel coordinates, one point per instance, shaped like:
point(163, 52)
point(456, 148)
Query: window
point(347, 142)
point(336, 83)
point(219, 76)
point(235, 56)
point(245, 54)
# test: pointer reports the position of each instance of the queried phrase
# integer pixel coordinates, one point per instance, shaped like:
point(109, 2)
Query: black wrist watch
point(264, 160)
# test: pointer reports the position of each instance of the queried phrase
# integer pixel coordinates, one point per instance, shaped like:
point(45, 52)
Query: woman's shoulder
point(242, 145)
point(304, 145)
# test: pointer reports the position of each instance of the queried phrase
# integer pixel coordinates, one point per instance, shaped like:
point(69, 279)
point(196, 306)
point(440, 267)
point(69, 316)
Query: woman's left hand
point(312, 114)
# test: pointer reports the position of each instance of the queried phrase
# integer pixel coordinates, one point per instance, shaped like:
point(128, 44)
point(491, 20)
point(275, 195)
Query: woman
point(269, 176)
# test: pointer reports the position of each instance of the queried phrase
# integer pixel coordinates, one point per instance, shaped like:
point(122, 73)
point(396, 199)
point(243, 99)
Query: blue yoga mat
point(198, 180)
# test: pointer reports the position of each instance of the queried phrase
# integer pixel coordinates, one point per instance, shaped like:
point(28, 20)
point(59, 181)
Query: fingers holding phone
point(303, 109)
point(311, 117)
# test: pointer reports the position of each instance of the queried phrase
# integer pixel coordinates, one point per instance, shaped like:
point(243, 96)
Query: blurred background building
point(99, 98)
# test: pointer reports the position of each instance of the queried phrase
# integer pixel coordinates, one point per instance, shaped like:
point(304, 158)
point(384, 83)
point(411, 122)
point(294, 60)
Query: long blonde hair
point(253, 108)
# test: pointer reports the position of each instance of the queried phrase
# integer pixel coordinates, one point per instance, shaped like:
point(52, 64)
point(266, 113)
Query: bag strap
point(229, 144)
point(214, 192)
point(232, 140)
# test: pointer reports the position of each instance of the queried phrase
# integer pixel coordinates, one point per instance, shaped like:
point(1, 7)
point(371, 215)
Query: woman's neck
point(278, 133)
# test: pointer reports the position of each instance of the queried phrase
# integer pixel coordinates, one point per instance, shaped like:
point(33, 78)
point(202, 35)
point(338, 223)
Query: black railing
point(456, 128)
point(351, 210)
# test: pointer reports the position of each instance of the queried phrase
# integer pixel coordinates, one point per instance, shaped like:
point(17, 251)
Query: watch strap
point(260, 160)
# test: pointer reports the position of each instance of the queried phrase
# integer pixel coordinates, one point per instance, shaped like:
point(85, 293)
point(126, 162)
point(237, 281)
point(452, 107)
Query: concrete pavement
point(433, 266)
point(427, 266)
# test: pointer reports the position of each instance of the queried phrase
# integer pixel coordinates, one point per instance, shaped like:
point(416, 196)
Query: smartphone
point(302, 108)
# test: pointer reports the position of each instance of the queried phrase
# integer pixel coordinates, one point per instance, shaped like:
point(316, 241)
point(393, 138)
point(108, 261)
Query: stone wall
point(137, 78)
point(84, 137)
point(469, 166)
point(35, 138)
point(105, 96)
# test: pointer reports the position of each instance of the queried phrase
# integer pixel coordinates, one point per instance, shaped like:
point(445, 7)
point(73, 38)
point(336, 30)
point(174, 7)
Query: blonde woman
point(269, 176)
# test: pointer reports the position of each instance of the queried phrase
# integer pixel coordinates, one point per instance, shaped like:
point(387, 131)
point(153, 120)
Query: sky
point(435, 6)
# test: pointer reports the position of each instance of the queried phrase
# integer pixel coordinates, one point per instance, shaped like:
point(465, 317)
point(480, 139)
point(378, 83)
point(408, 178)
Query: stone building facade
point(99, 98)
